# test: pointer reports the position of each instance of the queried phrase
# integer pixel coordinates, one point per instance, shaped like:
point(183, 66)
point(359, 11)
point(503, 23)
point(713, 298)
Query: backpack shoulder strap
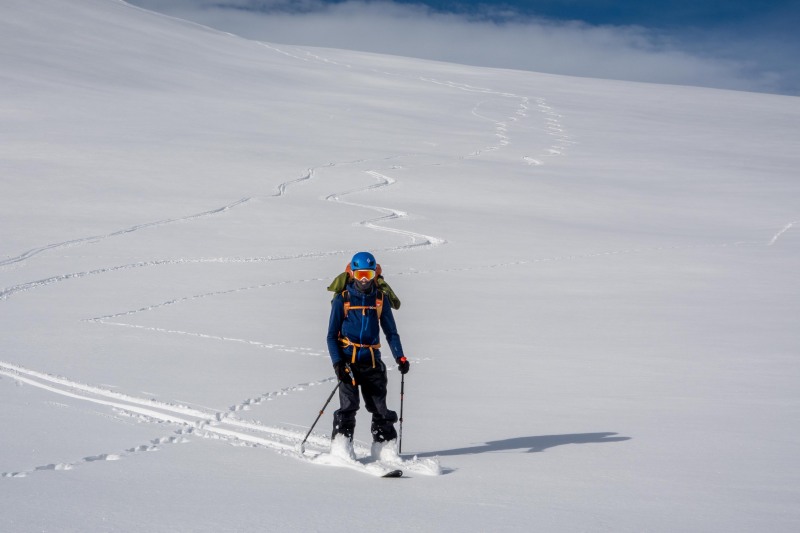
point(346, 299)
point(379, 303)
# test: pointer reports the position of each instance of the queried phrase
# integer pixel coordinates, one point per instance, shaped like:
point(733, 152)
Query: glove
point(403, 365)
point(342, 372)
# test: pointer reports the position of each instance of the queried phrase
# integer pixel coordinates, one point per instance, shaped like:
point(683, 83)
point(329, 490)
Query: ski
point(381, 461)
point(372, 468)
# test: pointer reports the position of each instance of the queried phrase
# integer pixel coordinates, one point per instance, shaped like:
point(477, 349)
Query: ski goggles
point(364, 275)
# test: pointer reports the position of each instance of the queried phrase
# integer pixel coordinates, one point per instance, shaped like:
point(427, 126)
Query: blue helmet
point(363, 261)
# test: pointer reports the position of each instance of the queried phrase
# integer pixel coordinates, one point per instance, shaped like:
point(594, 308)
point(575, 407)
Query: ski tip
point(393, 473)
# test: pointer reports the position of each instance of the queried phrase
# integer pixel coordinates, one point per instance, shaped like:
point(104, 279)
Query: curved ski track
point(97, 238)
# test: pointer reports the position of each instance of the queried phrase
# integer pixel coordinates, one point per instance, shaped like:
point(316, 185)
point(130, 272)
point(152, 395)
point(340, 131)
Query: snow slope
point(599, 285)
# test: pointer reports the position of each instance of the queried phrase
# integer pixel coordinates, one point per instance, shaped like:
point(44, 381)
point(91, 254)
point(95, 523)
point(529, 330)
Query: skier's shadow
point(530, 444)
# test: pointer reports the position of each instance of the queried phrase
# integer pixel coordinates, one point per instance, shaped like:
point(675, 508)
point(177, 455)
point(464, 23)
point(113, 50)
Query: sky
point(731, 44)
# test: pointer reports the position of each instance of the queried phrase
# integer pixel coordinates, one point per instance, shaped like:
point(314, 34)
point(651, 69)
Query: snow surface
point(599, 284)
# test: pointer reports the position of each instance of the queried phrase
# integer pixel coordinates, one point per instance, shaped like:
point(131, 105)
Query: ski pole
point(302, 444)
point(338, 384)
point(402, 395)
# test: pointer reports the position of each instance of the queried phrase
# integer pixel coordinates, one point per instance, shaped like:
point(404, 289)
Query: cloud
point(503, 38)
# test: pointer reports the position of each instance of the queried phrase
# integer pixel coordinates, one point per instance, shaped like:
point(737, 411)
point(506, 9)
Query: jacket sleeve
point(334, 327)
point(390, 332)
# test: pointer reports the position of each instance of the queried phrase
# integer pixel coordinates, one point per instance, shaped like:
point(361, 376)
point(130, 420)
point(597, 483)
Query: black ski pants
point(372, 382)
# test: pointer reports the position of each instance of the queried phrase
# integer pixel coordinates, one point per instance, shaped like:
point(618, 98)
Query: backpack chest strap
point(378, 304)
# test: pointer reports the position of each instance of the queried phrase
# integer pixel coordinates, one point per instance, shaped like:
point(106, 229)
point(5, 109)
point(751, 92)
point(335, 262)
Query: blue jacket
point(361, 327)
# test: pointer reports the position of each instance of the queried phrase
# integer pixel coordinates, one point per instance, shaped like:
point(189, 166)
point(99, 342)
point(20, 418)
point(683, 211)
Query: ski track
point(205, 423)
point(281, 191)
point(417, 239)
point(224, 424)
point(551, 118)
point(269, 346)
point(98, 238)
point(778, 235)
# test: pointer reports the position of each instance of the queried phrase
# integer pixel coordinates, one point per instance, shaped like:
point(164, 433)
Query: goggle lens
point(364, 275)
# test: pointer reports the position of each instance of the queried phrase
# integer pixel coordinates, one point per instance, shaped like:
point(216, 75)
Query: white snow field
point(600, 285)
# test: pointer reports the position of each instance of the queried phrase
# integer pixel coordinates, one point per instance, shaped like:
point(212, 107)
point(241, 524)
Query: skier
point(357, 315)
